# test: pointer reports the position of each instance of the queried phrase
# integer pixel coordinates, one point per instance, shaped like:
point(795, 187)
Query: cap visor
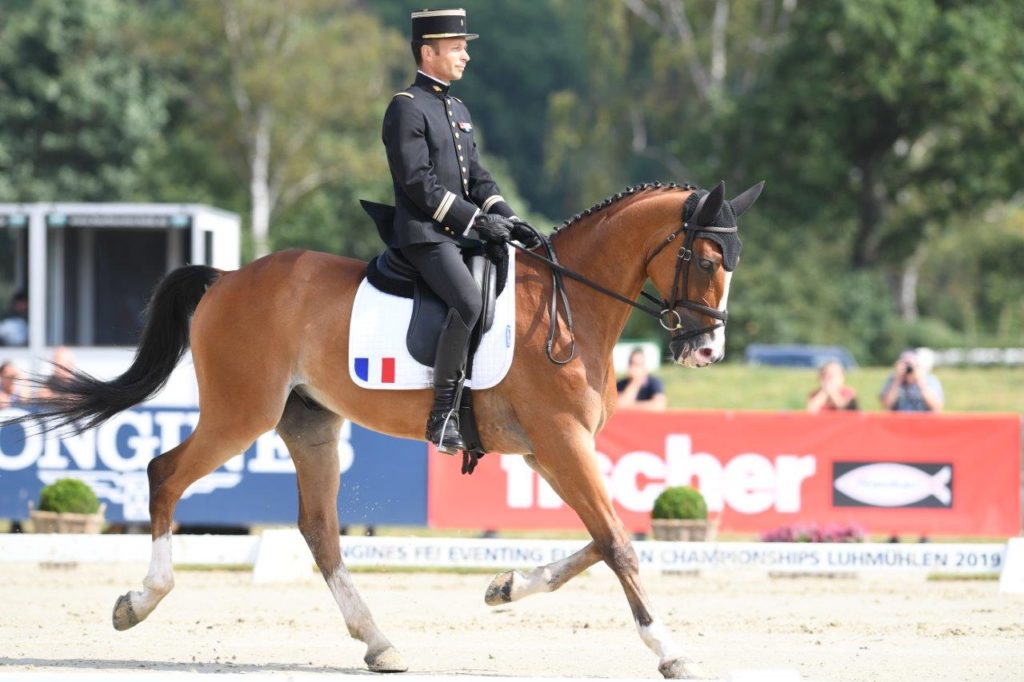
point(440, 36)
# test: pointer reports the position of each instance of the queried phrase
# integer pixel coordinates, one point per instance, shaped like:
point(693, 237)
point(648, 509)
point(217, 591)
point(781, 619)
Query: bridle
point(668, 309)
point(680, 280)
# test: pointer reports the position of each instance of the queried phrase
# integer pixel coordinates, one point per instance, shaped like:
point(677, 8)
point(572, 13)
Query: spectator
point(12, 389)
point(14, 327)
point(63, 363)
point(639, 390)
point(912, 387)
point(832, 393)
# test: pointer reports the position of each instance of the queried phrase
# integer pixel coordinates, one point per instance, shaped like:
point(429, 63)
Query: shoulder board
point(404, 94)
point(457, 99)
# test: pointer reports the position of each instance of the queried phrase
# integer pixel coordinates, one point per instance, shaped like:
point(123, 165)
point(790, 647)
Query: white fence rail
point(286, 548)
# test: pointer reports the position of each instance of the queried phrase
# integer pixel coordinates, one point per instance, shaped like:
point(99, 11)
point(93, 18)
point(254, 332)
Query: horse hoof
point(124, 614)
point(680, 669)
point(386, 661)
point(500, 589)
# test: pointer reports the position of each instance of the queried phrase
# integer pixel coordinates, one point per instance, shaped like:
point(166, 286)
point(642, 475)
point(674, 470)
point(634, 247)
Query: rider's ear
point(745, 200)
point(712, 205)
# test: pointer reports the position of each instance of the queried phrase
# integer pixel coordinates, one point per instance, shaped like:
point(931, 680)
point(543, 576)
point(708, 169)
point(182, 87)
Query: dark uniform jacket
point(439, 182)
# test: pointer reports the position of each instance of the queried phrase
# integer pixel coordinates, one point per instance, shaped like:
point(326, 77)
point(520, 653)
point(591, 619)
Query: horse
point(269, 344)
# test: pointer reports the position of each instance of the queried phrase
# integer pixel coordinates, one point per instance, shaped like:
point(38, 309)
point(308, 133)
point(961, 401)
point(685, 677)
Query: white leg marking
point(357, 615)
point(550, 577)
point(158, 582)
point(537, 580)
point(659, 640)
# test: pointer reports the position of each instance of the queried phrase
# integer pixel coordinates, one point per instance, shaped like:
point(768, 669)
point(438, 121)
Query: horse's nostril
point(706, 353)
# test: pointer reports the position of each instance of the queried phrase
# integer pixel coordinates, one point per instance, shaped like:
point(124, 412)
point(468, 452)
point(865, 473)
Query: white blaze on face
point(717, 342)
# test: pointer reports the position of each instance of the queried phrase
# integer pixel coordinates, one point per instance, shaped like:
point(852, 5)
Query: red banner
point(889, 473)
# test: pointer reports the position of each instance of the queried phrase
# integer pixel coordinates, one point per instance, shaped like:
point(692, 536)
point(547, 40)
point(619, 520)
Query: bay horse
point(270, 347)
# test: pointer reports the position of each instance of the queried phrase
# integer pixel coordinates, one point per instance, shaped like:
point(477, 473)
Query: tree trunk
point(259, 184)
point(907, 294)
point(872, 213)
point(718, 51)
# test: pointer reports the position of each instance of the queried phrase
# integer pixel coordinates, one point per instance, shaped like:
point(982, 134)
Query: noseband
point(669, 317)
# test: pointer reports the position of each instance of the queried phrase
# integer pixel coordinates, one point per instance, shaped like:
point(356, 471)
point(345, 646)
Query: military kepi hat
point(431, 24)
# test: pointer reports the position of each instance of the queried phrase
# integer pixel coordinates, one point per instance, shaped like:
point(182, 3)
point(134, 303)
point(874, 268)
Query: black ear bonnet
point(729, 242)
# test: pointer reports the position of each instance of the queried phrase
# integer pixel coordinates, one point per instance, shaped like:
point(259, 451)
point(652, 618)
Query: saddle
point(391, 273)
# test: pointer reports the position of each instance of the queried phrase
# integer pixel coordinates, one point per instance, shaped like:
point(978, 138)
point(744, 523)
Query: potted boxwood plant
point(681, 514)
point(68, 505)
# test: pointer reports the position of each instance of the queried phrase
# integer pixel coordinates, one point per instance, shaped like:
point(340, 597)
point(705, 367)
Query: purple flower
point(833, 532)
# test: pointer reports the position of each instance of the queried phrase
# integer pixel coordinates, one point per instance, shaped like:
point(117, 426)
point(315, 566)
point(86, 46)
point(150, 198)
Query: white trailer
point(88, 270)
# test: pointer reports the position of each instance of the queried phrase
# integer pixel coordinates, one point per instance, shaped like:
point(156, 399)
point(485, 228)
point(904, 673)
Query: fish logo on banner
point(892, 484)
point(384, 368)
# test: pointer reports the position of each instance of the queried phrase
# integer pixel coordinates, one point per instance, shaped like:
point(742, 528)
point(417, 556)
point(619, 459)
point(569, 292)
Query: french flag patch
point(386, 367)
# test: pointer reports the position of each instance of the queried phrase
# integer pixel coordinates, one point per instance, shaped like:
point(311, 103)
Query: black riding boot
point(449, 373)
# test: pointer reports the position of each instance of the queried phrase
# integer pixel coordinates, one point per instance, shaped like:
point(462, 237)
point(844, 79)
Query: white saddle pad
point(378, 357)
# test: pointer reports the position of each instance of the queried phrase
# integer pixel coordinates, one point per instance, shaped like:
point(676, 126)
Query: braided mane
point(628, 192)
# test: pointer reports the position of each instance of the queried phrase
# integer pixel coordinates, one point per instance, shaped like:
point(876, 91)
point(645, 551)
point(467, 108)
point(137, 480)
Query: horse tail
point(84, 401)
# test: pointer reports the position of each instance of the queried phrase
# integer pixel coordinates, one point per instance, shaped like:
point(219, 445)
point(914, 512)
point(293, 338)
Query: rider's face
point(448, 62)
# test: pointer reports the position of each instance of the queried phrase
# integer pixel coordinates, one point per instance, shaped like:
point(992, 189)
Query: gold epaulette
point(409, 95)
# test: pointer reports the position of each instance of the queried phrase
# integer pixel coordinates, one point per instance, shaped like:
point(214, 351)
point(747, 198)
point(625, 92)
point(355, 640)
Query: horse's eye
point(706, 265)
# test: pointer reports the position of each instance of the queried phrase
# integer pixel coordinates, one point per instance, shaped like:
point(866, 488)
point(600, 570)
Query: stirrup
point(440, 445)
point(437, 433)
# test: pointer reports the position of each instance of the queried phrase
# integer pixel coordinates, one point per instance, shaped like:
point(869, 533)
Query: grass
point(742, 387)
point(950, 577)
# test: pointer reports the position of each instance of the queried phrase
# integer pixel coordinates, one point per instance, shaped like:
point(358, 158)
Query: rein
point(669, 306)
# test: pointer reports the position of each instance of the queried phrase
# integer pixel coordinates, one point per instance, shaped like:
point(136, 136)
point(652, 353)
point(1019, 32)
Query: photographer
point(832, 394)
point(912, 387)
point(639, 390)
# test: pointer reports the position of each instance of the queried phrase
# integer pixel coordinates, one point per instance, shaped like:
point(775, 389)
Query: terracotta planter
point(683, 530)
point(56, 522)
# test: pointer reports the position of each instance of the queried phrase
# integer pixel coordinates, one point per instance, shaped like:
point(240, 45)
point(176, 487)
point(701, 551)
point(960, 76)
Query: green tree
point(974, 278)
point(292, 94)
point(585, 141)
point(881, 128)
point(78, 114)
point(692, 64)
point(900, 111)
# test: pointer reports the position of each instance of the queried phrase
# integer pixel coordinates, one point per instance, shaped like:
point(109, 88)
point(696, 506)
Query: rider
point(442, 195)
